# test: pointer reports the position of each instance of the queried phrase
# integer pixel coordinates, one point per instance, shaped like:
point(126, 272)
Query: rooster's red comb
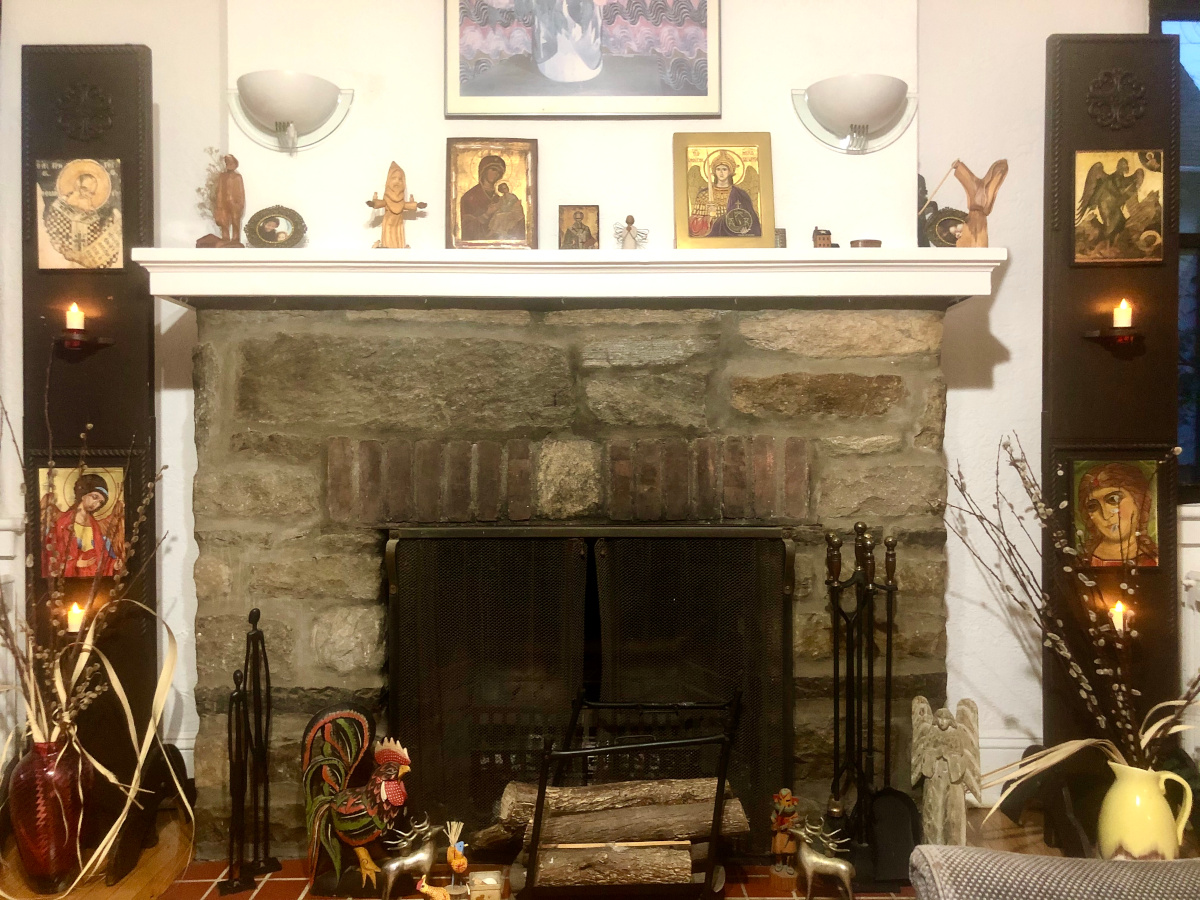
point(390, 750)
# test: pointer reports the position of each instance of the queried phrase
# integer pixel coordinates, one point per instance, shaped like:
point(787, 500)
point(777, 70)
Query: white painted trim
point(996, 750)
point(572, 275)
point(10, 528)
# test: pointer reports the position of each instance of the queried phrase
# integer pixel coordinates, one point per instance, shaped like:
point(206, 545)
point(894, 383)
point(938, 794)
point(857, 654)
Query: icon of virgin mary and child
point(76, 541)
point(724, 207)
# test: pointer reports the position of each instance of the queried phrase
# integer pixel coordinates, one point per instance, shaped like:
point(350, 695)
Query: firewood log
point(614, 865)
point(685, 821)
point(519, 798)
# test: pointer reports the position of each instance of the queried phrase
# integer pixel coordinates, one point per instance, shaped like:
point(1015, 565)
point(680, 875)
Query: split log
point(519, 799)
point(685, 821)
point(614, 865)
point(495, 836)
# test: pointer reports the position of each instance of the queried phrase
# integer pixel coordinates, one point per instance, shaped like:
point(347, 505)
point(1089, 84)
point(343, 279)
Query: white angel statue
point(945, 752)
point(628, 237)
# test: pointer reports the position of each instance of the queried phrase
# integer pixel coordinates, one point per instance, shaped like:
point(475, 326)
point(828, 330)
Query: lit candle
point(74, 618)
point(75, 318)
point(1118, 616)
point(1123, 315)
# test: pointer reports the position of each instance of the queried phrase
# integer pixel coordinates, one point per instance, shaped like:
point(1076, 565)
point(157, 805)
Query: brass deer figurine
point(814, 862)
point(414, 849)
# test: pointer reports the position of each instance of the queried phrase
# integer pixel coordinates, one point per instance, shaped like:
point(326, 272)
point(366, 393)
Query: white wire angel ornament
point(945, 752)
point(628, 237)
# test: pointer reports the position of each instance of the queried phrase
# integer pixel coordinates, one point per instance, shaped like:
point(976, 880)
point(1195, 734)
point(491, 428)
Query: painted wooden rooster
point(335, 741)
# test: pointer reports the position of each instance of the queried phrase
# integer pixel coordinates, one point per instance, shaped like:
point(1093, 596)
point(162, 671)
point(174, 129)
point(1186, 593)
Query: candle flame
point(1124, 304)
point(1119, 607)
point(75, 307)
point(77, 609)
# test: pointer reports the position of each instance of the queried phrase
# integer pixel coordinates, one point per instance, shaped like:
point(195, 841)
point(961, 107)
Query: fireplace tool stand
point(552, 770)
point(883, 824)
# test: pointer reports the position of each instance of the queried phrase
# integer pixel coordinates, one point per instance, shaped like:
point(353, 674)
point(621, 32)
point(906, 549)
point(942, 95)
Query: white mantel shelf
point(942, 275)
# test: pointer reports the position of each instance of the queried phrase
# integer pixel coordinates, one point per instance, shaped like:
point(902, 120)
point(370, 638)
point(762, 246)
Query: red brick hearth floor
point(199, 882)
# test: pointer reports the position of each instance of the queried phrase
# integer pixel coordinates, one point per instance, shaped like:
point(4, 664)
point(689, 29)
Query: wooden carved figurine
point(411, 853)
point(336, 740)
point(628, 237)
point(394, 207)
point(433, 893)
point(783, 817)
point(817, 856)
point(229, 204)
point(945, 752)
point(981, 196)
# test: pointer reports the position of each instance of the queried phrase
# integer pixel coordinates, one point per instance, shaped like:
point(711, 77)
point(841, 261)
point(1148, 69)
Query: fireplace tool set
point(883, 823)
point(248, 733)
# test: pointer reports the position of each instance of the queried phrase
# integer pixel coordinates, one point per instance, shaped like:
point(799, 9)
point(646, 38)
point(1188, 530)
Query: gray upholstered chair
point(971, 873)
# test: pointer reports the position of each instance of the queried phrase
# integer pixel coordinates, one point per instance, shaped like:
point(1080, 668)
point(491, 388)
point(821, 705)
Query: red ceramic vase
point(45, 805)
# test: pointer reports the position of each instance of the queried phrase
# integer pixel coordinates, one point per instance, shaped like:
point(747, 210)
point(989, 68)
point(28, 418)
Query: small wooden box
point(486, 885)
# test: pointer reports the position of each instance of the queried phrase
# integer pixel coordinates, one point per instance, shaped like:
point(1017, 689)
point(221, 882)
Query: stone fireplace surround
point(319, 425)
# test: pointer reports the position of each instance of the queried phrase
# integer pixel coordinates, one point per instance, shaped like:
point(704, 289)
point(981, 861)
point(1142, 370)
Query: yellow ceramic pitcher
point(1135, 818)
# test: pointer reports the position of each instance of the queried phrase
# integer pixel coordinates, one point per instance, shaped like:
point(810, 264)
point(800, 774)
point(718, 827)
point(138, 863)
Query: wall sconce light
point(856, 113)
point(288, 111)
point(75, 337)
point(1121, 333)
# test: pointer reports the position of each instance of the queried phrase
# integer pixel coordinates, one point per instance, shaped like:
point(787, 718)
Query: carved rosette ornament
point(84, 112)
point(1116, 99)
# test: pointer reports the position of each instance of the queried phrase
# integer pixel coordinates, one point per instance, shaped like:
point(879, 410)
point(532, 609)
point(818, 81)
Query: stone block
point(860, 445)
point(762, 449)
point(675, 399)
point(620, 480)
point(273, 446)
point(501, 318)
point(568, 479)
point(795, 478)
point(369, 499)
point(489, 458)
point(386, 383)
point(456, 502)
point(317, 570)
point(647, 481)
point(706, 461)
point(588, 318)
point(221, 648)
point(931, 427)
point(919, 635)
point(341, 458)
point(812, 637)
point(735, 477)
point(206, 384)
point(676, 473)
point(814, 738)
point(520, 480)
point(841, 334)
point(863, 491)
point(346, 639)
point(920, 571)
point(214, 580)
point(398, 481)
point(286, 494)
point(638, 353)
point(427, 477)
point(836, 394)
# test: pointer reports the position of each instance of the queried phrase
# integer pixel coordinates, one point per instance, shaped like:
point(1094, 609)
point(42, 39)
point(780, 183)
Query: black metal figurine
point(258, 686)
point(883, 825)
point(240, 876)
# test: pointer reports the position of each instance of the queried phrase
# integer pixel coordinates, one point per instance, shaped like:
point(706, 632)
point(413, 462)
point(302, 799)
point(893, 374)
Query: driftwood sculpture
point(945, 752)
point(822, 861)
point(981, 196)
point(394, 208)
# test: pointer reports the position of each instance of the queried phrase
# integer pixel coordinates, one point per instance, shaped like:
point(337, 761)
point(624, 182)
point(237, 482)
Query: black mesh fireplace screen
point(492, 631)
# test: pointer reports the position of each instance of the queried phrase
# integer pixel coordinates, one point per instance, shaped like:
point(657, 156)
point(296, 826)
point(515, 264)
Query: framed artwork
point(78, 209)
point(723, 190)
point(1114, 509)
point(579, 228)
point(1118, 206)
point(491, 193)
point(945, 227)
point(81, 516)
point(275, 226)
point(555, 58)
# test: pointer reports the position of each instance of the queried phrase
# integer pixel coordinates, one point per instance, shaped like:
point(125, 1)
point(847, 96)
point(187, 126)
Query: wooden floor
point(155, 872)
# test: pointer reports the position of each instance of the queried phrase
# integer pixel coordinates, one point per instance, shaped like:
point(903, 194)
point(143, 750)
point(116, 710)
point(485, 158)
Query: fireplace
point(493, 630)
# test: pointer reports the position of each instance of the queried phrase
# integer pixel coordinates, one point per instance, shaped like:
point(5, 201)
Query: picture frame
point(578, 227)
point(1114, 496)
point(1119, 207)
point(731, 209)
point(59, 548)
point(543, 58)
point(78, 209)
point(945, 226)
point(491, 193)
point(275, 226)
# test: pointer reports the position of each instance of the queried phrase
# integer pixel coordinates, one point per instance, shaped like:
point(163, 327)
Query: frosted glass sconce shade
point(288, 111)
point(856, 113)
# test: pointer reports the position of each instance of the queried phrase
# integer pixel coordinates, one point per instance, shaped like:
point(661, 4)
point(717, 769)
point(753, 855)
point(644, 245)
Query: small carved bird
point(454, 853)
point(433, 893)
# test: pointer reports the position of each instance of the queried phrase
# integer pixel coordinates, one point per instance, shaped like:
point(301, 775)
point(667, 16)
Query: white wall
point(983, 98)
point(188, 73)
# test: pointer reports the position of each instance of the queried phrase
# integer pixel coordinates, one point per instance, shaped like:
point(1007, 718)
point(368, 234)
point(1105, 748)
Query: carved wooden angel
point(945, 752)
